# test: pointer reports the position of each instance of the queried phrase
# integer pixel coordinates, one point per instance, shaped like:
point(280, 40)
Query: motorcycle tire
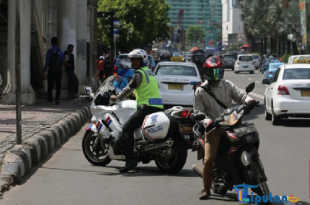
point(257, 177)
point(176, 161)
point(98, 157)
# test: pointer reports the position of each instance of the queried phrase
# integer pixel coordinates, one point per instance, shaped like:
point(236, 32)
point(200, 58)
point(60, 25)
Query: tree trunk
point(265, 45)
point(283, 44)
point(253, 44)
point(262, 46)
point(279, 46)
point(288, 44)
point(294, 46)
point(271, 45)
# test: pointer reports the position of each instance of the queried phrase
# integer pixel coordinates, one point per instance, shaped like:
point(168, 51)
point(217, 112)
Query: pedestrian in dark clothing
point(53, 66)
point(73, 85)
point(107, 68)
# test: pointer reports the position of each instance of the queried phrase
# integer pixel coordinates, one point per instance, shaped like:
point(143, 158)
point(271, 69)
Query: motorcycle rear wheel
point(97, 156)
point(175, 162)
point(258, 178)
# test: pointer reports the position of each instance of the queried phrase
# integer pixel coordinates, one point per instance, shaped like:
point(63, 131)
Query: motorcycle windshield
point(111, 86)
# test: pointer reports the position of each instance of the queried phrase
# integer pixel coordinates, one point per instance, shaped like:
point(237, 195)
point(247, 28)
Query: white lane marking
point(257, 81)
point(250, 78)
point(255, 95)
point(242, 75)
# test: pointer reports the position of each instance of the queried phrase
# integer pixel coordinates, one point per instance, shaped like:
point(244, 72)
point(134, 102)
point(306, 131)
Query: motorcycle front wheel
point(172, 160)
point(257, 173)
point(95, 155)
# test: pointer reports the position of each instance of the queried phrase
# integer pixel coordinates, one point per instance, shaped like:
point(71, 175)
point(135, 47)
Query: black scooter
point(237, 160)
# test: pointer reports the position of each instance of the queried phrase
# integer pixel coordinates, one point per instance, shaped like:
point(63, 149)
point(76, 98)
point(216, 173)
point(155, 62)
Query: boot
point(129, 165)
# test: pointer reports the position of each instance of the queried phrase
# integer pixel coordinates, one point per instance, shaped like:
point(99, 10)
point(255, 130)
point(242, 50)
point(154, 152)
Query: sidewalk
point(45, 126)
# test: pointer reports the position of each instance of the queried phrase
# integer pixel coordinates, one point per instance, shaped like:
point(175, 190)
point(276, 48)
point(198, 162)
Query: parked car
point(244, 63)
point(123, 67)
point(164, 55)
point(229, 60)
point(288, 93)
point(256, 59)
point(265, 64)
point(271, 70)
point(174, 80)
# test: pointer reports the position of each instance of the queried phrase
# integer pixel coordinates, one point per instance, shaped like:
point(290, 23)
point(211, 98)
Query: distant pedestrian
point(53, 66)
point(107, 68)
point(100, 69)
point(73, 84)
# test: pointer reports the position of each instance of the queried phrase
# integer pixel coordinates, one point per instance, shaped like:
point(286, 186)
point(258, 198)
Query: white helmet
point(139, 53)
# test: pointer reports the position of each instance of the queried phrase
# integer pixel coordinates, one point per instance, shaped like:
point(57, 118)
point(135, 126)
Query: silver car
point(256, 60)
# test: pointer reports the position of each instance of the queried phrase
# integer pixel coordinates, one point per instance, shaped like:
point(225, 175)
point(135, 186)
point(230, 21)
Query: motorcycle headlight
point(232, 118)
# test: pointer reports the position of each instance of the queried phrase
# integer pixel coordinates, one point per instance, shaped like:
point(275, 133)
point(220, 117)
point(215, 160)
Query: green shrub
point(285, 57)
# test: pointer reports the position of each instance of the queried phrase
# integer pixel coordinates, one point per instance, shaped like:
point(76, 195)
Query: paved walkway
point(45, 126)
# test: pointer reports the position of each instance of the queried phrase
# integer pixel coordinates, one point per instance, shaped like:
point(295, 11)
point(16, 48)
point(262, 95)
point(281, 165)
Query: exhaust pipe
point(197, 169)
point(156, 147)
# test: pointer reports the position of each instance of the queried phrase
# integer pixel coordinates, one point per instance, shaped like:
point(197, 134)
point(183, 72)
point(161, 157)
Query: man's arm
point(66, 60)
point(239, 96)
point(199, 108)
point(133, 84)
point(47, 59)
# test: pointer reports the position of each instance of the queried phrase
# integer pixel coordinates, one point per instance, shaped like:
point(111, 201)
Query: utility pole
point(17, 78)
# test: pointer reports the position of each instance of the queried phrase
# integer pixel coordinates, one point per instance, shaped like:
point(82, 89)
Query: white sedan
point(244, 63)
point(176, 82)
point(288, 93)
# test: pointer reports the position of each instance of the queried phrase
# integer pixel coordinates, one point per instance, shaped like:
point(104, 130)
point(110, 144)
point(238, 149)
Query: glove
point(212, 125)
point(251, 104)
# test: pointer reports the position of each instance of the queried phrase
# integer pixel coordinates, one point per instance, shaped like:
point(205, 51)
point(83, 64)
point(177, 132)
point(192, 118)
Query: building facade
point(232, 26)
point(206, 13)
point(26, 28)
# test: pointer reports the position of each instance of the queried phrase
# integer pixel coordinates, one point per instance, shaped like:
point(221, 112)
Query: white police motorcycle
point(157, 139)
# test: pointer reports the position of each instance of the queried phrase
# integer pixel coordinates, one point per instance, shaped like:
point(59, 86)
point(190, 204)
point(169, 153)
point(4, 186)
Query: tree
point(195, 34)
point(142, 21)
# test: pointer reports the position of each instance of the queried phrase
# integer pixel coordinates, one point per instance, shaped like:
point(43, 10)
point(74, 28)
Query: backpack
point(54, 62)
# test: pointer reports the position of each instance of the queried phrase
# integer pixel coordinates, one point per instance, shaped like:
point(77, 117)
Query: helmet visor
point(214, 73)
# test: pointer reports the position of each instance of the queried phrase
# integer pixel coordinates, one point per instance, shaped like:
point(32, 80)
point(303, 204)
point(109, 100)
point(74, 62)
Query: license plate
point(245, 129)
point(175, 86)
point(305, 93)
point(185, 128)
point(245, 66)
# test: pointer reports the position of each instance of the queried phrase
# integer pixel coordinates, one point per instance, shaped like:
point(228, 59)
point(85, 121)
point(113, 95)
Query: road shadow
point(295, 122)
point(148, 171)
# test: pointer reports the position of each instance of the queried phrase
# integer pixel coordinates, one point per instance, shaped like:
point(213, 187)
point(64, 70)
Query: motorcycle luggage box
point(156, 126)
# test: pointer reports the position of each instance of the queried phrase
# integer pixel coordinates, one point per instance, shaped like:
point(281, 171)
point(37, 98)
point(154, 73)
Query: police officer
point(146, 89)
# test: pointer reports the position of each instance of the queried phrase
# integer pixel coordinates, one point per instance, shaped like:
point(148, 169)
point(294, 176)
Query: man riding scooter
point(211, 99)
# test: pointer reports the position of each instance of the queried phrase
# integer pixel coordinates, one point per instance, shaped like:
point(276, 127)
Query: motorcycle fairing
point(92, 128)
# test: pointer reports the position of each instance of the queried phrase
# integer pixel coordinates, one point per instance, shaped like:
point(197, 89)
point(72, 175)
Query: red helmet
point(213, 68)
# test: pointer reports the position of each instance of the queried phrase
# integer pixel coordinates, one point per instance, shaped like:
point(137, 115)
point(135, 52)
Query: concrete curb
point(21, 158)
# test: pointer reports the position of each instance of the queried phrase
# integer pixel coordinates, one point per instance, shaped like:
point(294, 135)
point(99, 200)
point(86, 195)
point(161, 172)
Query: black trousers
point(101, 74)
point(54, 77)
point(134, 122)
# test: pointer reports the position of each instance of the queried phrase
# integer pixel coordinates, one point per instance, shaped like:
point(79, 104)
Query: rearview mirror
point(250, 87)
point(265, 81)
point(199, 117)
